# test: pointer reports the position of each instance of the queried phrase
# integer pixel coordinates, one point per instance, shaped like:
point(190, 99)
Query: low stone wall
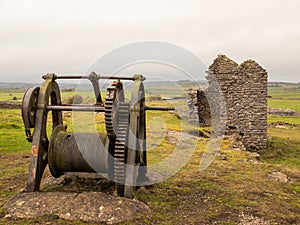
point(282, 112)
point(10, 105)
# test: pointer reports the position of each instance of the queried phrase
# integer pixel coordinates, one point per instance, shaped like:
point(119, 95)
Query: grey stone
point(278, 176)
point(86, 206)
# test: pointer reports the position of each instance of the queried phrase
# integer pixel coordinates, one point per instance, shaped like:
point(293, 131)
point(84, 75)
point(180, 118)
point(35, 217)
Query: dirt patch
point(175, 137)
point(86, 206)
point(78, 182)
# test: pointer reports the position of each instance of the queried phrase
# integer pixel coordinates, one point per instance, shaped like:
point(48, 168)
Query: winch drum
point(77, 152)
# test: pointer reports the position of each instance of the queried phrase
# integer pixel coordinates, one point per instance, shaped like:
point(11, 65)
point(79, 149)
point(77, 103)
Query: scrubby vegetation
point(237, 187)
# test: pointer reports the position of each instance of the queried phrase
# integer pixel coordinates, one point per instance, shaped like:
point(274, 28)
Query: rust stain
point(33, 172)
point(34, 150)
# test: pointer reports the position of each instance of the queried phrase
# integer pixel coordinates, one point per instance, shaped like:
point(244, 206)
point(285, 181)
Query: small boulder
point(278, 176)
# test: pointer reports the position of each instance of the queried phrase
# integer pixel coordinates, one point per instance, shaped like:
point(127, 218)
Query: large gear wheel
point(125, 126)
point(120, 153)
point(114, 95)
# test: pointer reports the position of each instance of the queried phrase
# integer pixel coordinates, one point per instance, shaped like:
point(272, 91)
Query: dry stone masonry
point(244, 90)
point(199, 110)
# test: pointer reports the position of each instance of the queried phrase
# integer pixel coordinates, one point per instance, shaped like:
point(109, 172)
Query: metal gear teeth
point(120, 147)
point(110, 98)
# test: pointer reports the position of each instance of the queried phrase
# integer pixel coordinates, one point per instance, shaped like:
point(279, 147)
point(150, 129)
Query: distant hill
point(87, 86)
point(23, 86)
point(282, 82)
point(283, 85)
point(17, 85)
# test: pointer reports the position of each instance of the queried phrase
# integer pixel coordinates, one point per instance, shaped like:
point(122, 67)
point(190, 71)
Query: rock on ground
point(85, 206)
point(251, 220)
point(279, 176)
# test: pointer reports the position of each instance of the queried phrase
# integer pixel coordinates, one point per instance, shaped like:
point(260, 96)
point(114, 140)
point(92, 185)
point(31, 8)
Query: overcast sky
point(69, 36)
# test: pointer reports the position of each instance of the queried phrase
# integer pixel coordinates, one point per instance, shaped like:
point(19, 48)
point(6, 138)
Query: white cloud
point(68, 36)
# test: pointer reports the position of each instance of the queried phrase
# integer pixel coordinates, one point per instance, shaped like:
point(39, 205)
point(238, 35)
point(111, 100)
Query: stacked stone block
point(193, 115)
point(244, 90)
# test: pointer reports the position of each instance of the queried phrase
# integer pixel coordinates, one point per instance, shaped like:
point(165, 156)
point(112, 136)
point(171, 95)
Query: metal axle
point(159, 108)
point(80, 108)
point(97, 76)
point(93, 108)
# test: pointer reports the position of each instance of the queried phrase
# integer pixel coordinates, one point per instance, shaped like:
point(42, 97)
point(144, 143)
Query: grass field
point(8, 95)
point(285, 104)
point(286, 97)
point(12, 134)
point(228, 192)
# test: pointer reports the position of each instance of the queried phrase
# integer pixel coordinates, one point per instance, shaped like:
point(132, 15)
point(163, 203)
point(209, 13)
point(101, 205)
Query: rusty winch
point(120, 152)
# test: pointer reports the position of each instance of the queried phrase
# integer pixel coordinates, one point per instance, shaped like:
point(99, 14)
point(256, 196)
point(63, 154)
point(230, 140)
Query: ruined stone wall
point(193, 115)
point(244, 88)
point(199, 109)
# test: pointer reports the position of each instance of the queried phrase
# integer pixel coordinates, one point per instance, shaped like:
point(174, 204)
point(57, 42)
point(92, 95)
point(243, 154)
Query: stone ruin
point(244, 90)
